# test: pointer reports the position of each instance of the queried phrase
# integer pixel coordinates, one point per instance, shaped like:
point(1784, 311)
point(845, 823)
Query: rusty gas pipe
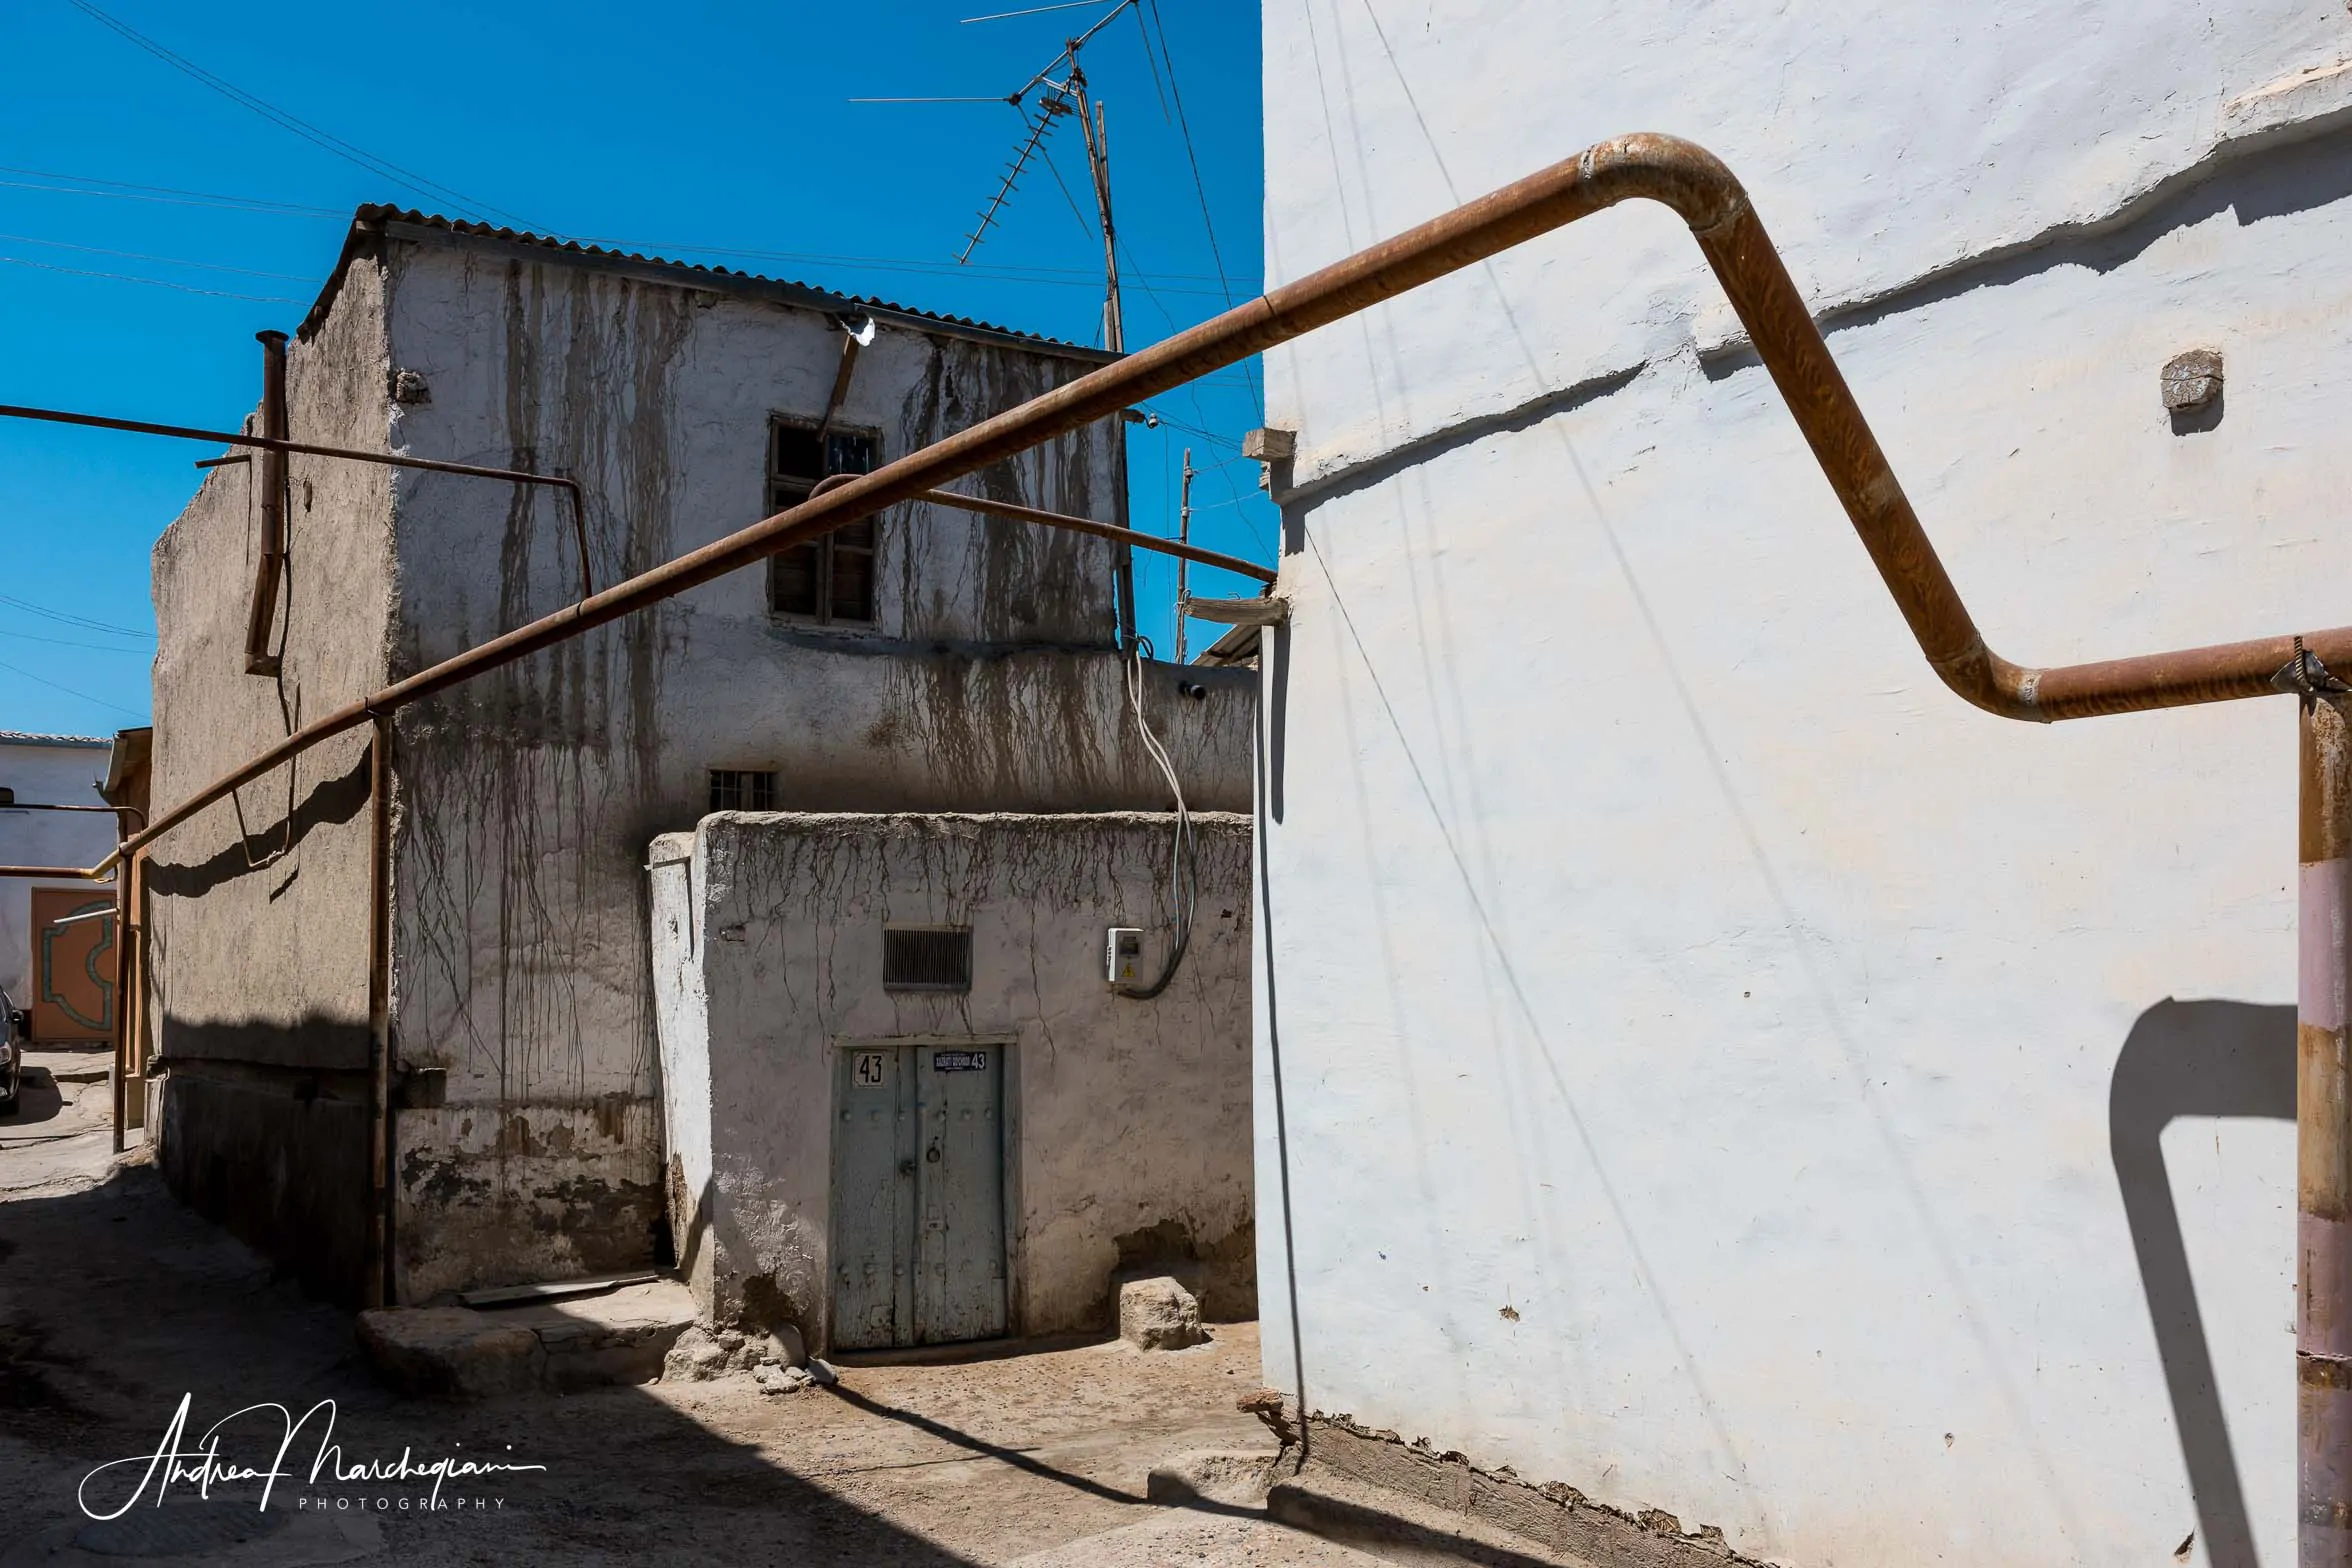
point(124, 936)
point(2323, 1120)
point(1704, 194)
point(269, 561)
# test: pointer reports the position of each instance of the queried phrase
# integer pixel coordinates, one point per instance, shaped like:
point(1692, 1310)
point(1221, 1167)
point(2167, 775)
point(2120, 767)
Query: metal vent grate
point(927, 958)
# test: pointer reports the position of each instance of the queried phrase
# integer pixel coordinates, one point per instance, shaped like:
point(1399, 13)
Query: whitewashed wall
point(54, 771)
point(990, 681)
point(1127, 1120)
point(1875, 1116)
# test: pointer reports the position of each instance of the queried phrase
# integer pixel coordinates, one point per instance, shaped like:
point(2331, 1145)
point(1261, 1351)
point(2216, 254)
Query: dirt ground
point(115, 1302)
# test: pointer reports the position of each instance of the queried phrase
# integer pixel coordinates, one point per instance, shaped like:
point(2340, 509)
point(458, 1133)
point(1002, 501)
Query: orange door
point(73, 964)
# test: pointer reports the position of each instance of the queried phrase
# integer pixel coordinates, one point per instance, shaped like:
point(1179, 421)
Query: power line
point(1152, 60)
point(1199, 186)
point(63, 642)
point(70, 692)
point(127, 190)
point(168, 261)
point(82, 621)
point(1035, 10)
point(161, 283)
point(124, 190)
point(323, 140)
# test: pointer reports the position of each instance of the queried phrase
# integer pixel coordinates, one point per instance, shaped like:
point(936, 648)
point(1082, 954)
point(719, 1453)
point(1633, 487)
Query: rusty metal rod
point(125, 970)
point(2323, 1136)
point(121, 1076)
point(1704, 194)
point(133, 1019)
point(97, 873)
point(1088, 525)
point(269, 561)
point(118, 812)
point(1664, 169)
point(433, 465)
point(380, 1281)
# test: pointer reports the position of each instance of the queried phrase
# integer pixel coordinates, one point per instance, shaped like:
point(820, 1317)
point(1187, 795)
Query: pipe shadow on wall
point(2193, 1059)
point(2274, 177)
point(330, 802)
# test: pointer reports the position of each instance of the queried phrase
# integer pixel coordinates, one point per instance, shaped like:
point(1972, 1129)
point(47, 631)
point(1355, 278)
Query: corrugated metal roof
point(35, 738)
point(374, 219)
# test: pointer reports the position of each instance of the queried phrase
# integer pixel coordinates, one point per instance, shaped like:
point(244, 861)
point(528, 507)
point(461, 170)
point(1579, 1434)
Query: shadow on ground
point(117, 1303)
point(38, 1100)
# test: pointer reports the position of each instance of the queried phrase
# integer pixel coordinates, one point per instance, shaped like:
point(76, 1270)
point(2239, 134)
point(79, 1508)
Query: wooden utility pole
point(1183, 536)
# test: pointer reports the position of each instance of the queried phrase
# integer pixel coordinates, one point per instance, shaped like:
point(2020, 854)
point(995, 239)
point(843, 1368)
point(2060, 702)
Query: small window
point(742, 789)
point(828, 580)
point(927, 958)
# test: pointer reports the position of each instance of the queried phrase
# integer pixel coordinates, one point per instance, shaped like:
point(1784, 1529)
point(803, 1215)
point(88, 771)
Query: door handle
point(932, 1154)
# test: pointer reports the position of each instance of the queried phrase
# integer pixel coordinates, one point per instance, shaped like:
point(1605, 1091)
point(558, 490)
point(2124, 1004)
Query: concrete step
point(560, 1346)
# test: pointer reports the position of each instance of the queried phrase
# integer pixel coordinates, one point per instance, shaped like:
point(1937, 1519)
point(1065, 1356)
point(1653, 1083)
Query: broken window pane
point(797, 456)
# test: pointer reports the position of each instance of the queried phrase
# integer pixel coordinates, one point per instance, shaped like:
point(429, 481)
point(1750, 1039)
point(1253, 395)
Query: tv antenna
point(1060, 93)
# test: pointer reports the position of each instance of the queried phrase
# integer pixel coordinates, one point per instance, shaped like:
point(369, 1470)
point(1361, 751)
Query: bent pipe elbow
point(1704, 194)
point(1681, 175)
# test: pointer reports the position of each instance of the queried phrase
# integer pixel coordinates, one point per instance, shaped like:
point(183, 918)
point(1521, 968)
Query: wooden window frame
point(788, 490)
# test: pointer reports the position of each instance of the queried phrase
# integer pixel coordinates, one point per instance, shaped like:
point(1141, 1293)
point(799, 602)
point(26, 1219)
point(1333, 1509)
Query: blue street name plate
point(959, 1061)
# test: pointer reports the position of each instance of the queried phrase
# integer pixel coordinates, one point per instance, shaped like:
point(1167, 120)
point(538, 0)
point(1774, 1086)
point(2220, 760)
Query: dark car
point(15, 1034)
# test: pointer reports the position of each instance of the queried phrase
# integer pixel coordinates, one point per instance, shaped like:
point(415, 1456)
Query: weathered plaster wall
point(990, 682)
point(63, 772)
point(256, 908)
point(1883, 146)
point(1127, 1120)
point(1800, 1102)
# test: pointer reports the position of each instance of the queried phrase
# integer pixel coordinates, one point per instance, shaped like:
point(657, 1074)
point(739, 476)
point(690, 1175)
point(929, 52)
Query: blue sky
point(130, 286)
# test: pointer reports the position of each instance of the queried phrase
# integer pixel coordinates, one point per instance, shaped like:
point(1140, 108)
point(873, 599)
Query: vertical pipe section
point(122, 1001)
point(270, 559)
point(2323, 1187)
point(1183, 536)
point(134, 871)
point(379, 1003)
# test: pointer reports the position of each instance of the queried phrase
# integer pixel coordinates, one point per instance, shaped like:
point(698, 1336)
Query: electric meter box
point(1123, 954)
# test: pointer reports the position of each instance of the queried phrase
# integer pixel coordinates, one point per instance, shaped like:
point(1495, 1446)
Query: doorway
point(918, 1255)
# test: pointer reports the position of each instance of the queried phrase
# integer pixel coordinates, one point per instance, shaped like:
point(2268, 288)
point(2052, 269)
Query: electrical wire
point(323, 140)
point(167, 261)
point(161, 283)
point(124, 190)
point(1184, 854)
point(1153, 61)
point(1199, 186)
point(70, 619)
point(67, 642)
point(70, 692)
point(172, 195)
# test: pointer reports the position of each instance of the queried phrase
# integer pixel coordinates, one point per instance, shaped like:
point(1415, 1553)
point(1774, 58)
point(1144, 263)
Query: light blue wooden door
point(873, 1198)
point(959, 1242)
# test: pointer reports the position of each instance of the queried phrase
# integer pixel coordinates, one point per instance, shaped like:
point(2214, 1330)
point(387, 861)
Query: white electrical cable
point(1183, 869)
